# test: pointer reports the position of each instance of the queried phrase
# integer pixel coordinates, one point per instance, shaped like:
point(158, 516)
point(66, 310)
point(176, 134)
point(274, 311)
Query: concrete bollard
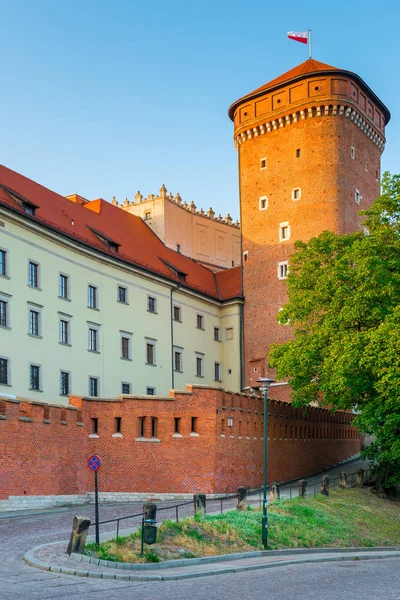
point(80, 528)
point(302, 487)
point(150, 511)
point(200, 504)
point(325, 485)
point(241, 498)
point(275, 492)
point(360, 478)
point(343, 480)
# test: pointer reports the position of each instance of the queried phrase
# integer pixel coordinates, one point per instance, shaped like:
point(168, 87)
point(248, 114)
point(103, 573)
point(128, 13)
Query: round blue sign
point(94, 463)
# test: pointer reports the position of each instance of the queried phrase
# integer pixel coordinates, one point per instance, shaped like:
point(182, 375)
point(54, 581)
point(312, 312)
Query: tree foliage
point(344, 307)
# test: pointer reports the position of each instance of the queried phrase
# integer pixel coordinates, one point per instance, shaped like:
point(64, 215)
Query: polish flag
point(298, 36)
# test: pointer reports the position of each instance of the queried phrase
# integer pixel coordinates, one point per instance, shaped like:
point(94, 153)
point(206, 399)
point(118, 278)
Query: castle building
point(211, 240)
point(309, 145)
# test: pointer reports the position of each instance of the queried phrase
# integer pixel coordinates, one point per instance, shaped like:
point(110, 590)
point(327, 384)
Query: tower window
point(353, 152)
point(263, 203)
point(357, 197)
point(298, 153)
point(284, 232)
point(296, 194)
point(147, 216)
point(283, 270)
point(245, 256)
point(263, 163)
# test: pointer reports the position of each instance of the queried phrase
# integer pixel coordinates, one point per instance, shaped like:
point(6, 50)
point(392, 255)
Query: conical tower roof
point(306, 69)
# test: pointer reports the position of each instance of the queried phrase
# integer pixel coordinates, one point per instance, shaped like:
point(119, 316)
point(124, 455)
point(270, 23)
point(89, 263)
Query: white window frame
point(294, 191)
point(68, 296)
point(153, 312)
point(97, 297)
point(123, 287)
point(217, 366)
point(67, 318)
point(353, 153)
point(5, 275)
point(95, 327)
point(6, 298)
point(262, 168)
point(178, 350)
point(38, 309)
point(69, 382)
point(202, 321)
point(357, 196)
point(40, 389)
point(245, 256)
point(261, 200)
point(98, 385)
point(199, 355)
point(38, 274)
point(180, 313)
point(217, 334)
point(8, 359)
point(282, 227)
point(281, 264)
point(128, 336)
point(151, 342)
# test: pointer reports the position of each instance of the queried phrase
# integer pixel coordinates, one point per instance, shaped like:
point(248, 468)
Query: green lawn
point(351, 517)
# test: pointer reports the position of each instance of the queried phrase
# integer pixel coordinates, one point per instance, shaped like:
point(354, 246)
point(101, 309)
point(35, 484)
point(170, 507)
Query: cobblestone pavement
point(19, 533)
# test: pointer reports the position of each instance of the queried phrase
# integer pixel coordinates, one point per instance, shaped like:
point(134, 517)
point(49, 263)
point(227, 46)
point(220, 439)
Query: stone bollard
point(360, 478)
point(77, 541)
point(200, 504)
point(325, 485)
point(150, 511)
point(275, 492)
point(241, 498)
point(343, 480)
point(302, 487)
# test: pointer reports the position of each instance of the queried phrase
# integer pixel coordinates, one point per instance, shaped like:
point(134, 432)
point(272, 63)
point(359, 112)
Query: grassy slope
point(350, 517)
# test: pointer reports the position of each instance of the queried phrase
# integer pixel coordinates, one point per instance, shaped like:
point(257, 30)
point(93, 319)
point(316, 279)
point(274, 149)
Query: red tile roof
point(308, 67)
point(96, 222)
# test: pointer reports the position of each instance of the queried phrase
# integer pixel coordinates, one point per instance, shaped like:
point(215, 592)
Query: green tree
point(344, 307)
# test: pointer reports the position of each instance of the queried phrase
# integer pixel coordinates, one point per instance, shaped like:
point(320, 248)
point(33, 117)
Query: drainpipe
point(172, 341)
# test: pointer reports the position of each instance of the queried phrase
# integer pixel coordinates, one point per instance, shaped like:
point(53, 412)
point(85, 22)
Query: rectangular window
point(217, 371)
point(217, 334)
point(194, 425)
point(125, 388)
point(92, 296)
point(263, 203)
point(125, 350)
point(3, 313)
point(150, 391)
point(64, 383)
point(4, 375)
point(177, 425)
point(154, 427)
point(93, 340)
point(151, 304)
point(34, 379)
point(284, 232)
point(63, 291)
point(353, 153)
point(177, 313)
point(117, 424)
point(296, 194)
point(64, 332)
point(357, 197)
point(229, 333)
point(33, 274)
point(34, 322)
point(93, 387)
point(200, 321)
point(199, 366)
point(263, 163)
point(94, 426)
point(283, 270)
point(141, 423)
point(122, 295)
point(178, 361)
point(150, 354)
point(3, 263)
point(147, 216)
point(298, 153)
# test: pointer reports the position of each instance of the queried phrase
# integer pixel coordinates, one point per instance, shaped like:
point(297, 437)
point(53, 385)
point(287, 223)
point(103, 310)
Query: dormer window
point(28, 207)
point(110, 244)
point(176, 272)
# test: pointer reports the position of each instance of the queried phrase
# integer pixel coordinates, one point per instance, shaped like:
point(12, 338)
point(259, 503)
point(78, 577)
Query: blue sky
point(105, 98)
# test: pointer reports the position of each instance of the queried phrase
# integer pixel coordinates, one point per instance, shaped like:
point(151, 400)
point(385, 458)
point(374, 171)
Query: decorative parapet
point(192, 208)
point(309, 113)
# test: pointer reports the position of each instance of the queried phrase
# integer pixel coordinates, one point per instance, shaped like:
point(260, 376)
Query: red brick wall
point(46, 452)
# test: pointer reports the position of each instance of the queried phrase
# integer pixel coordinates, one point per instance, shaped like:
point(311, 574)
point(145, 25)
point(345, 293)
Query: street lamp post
point(265, 382)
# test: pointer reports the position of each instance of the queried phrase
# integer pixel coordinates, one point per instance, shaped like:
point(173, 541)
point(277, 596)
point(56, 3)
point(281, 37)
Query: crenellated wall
point(216, 446)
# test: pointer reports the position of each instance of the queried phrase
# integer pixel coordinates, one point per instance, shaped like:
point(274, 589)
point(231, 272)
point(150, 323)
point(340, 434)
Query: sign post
point(94, 464)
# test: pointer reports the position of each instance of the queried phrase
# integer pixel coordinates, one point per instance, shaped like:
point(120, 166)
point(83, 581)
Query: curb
point(348, 554)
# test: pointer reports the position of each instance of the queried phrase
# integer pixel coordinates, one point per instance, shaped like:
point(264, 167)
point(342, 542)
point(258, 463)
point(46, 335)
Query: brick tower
point(309, 146)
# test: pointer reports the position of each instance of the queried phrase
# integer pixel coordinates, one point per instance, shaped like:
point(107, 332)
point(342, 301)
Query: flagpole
point(309, 44)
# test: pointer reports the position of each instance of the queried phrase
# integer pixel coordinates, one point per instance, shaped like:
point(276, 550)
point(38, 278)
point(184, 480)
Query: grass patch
point(352, 517)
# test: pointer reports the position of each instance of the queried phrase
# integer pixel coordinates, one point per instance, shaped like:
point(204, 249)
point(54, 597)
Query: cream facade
point(130, 336)
point(211, 240)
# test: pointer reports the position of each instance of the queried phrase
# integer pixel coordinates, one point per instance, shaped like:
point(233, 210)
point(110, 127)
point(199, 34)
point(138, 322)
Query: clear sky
point(103, 98)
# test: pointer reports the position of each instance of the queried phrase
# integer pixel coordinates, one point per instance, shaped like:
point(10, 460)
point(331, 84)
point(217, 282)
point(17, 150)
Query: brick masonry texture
point(328, 178)
point(45, 453)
